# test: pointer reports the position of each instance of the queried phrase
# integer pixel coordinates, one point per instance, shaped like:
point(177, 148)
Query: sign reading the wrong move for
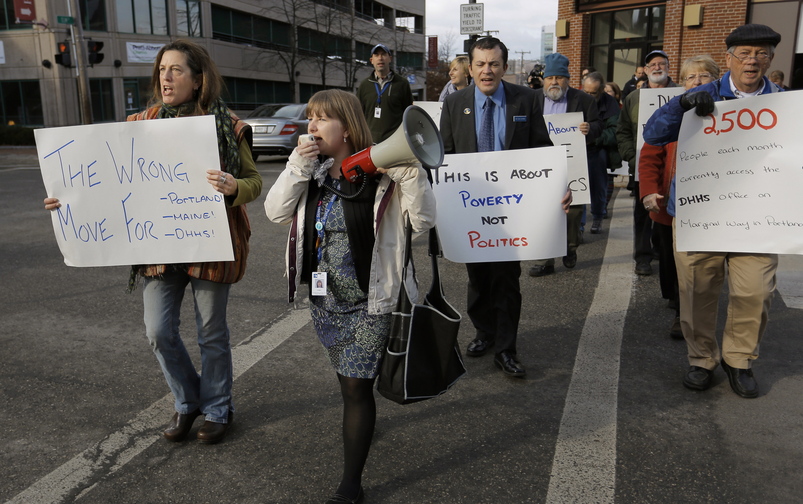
point(135, 192)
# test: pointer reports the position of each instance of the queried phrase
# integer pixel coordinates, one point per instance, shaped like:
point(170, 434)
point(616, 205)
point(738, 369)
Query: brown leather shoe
point(213, 432)
point(180, 426)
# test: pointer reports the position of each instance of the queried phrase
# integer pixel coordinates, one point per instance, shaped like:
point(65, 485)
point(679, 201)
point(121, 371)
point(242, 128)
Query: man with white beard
point(559, 98)
point(657, 66)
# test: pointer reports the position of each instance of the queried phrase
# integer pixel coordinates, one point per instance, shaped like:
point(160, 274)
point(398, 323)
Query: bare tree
point(446, 46)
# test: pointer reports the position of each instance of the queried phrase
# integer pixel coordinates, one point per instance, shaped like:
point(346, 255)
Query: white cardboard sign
point(433, 108)
point(738, 178)
point(502, 205)
point(135, 192)
point(650, 100)
point(564, 130)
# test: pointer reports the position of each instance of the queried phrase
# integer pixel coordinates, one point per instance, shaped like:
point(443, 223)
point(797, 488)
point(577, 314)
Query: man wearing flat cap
point(656, 64)
point(557, 97)
point(751, 277)
point(384, 95)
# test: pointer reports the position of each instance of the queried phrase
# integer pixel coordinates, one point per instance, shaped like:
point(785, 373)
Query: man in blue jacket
point(751, 277)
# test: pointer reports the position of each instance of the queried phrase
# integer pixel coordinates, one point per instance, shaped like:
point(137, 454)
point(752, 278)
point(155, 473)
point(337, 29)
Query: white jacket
point(403, 191)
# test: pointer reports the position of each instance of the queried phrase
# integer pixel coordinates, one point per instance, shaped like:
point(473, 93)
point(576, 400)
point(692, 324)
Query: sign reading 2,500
point(746, 119)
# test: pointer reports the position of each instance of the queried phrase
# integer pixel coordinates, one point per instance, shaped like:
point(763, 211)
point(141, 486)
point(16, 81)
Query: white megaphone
point(417, 139)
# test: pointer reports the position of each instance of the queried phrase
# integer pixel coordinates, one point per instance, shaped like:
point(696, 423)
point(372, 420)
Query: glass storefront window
point(142, 16)
point(621, 39)
point(100, 91)
point(21, 103)
point(188, 18)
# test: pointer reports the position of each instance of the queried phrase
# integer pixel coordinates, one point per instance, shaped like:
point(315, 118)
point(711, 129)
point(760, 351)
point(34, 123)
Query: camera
point(536, 77)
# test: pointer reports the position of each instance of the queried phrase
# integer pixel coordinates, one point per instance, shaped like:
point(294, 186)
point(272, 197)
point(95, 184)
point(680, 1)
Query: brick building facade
point(615, 35)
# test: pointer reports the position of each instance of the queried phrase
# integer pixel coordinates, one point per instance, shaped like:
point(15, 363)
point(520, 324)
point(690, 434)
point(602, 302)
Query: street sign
point(471, 18)
point(65, 20)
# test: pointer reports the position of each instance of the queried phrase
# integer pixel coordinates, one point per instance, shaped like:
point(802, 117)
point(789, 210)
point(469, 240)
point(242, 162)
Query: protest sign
point(433, 109)
point(739, 176)
point(135, 192)
point(650, 100)
point(502, 205)
point(564, 130)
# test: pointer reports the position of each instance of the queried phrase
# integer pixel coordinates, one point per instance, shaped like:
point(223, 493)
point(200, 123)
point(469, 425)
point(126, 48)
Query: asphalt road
point(601, 417)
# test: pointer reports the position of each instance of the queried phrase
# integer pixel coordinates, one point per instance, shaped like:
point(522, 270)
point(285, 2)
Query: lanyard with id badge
point(379, 92)
point(319, 277)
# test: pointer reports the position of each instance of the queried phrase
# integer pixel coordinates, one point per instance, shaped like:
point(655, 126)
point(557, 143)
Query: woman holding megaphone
point(350, 235)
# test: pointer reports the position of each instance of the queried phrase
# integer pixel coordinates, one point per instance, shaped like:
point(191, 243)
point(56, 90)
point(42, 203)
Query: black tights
point(359, 417)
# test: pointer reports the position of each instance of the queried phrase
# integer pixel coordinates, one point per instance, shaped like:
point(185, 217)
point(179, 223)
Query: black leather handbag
point(422, 359)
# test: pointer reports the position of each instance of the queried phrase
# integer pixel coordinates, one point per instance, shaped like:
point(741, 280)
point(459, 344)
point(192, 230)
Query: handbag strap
point(436, 288)
point(404, 305)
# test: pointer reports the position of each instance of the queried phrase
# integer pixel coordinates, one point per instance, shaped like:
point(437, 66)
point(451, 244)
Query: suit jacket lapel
point(512, 104)
point(469, 128)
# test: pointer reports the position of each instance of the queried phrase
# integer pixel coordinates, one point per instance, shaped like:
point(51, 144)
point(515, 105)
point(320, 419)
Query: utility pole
point(77, 32)
point(521, 65)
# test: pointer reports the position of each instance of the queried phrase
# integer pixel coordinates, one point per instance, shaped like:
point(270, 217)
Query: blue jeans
point(211, 391)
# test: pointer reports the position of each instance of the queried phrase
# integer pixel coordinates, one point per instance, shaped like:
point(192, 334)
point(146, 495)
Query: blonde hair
point(462, 62)
point(704, 61)
point(345, 107)
point(200, 65)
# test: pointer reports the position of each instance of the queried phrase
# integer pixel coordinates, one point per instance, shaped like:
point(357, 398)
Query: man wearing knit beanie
point(557, 97)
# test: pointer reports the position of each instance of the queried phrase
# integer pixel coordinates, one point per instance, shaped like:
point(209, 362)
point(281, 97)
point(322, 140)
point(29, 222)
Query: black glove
point(701, 101)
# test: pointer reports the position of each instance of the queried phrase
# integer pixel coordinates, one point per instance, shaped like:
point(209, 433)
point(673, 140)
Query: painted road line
point(76, 476)
point(584, 464)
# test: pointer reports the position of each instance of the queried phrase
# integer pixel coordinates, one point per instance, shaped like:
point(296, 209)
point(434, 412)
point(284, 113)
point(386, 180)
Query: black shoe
point(478, 347)
point(340, 499)
point(539, 271)
point(213, 432)
point(644, 269)
point(698, 378)
point(507, 362)
point(570, 260)
point(675, 332)
point(672, 304)
point(596, 226)
point(741, 380)
point(180, 426)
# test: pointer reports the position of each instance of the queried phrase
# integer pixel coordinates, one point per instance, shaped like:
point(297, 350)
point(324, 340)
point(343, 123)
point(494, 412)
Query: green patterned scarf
point(226, 141)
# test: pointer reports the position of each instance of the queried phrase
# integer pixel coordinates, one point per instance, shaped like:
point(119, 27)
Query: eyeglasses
point(702, 77)
point(743, 56)
point(658, 64)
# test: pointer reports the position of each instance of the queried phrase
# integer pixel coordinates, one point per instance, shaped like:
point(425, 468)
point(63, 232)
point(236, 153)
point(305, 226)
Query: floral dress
point(353, 339)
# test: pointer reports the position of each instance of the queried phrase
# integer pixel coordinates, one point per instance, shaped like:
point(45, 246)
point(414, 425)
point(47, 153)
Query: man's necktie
point(486, 138)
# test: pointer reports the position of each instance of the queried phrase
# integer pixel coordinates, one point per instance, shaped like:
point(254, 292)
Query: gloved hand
point(701, 101)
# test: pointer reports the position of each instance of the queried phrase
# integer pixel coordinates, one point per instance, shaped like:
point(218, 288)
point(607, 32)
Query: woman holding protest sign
point(656, 170)
point(186, 82)
point(352, 240)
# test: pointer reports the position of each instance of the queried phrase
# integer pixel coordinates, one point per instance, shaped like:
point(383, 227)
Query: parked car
point(276, 127)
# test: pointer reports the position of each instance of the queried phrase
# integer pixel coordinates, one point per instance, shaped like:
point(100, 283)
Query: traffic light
point(63, 57)
point(93, 52)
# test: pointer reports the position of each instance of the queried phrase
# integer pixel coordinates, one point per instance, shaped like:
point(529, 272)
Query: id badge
point(377, 113)
point(318, 283)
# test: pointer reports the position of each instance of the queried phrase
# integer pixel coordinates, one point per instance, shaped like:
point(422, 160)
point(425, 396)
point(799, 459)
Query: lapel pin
point(466, 111)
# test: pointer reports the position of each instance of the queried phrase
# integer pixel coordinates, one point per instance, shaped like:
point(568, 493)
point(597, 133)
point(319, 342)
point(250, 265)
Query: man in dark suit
point(486, 116)
point(557, 97)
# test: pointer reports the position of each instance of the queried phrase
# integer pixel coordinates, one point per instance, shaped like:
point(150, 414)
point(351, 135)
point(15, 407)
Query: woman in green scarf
point(185, 83)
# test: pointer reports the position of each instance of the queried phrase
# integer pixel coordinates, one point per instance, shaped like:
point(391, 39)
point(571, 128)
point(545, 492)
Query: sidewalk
point(18, 157)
